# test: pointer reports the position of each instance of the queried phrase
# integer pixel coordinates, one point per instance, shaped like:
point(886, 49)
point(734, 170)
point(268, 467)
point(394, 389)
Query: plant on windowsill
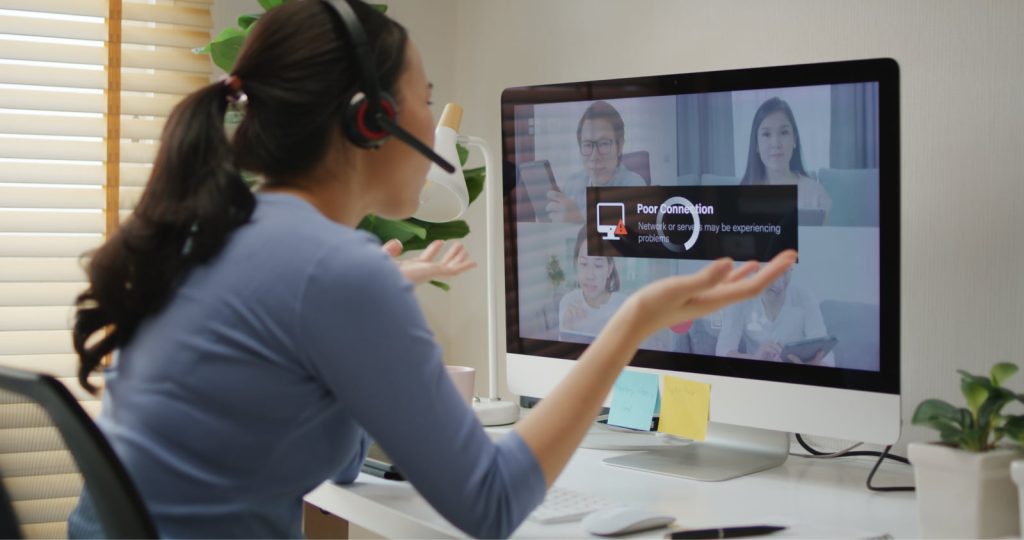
point(413, 233)
point(964, 486)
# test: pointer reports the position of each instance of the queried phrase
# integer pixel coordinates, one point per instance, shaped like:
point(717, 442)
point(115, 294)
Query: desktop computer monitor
point(655, 176)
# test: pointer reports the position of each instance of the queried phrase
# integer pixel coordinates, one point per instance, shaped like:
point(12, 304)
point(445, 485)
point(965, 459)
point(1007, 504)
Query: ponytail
point(194, 199)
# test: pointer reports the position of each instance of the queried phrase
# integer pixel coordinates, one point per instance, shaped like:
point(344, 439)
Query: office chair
point(640, 163)
point(56, 439)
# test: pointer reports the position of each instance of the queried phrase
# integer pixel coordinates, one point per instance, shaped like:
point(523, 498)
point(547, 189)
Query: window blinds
point(53, 148)
point(61, 175)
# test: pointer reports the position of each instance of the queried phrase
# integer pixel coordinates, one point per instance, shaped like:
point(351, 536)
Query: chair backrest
point(719, 180)
point(854, 194)
point(640, 163)
point(73, 444)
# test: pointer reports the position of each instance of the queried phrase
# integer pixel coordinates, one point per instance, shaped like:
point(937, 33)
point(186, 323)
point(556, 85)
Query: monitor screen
point(656, 176)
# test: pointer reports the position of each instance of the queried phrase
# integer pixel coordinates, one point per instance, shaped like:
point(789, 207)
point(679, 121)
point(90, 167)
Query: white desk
point(815, 498)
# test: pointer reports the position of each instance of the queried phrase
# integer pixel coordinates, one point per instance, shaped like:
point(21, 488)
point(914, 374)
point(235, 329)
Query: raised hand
point(668, 301)
point(424, 268)
point(562, 208)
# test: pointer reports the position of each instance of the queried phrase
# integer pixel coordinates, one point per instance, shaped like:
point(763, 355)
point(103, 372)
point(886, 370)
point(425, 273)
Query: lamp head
point(444, 196)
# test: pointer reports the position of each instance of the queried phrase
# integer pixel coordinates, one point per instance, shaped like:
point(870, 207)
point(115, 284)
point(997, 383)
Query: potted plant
point(556, 278)
point(413, 233)
point(964, 488)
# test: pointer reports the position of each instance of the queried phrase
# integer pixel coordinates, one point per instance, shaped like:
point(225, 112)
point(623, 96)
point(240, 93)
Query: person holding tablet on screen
point(784, 314)
point(262, 340)
point(600, 136)
point(774, 156)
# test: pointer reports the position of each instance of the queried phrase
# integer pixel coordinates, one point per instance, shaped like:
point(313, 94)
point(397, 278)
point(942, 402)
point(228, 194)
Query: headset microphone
point(372, 114)
point(391, 127)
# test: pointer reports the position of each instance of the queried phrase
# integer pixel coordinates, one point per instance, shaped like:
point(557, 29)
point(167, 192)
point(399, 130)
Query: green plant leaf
point(463, 154)
point(1014, 428)
point(383, 8)
point(474, 182)
point(933, 408)
point(966, 418)
point(436, 231)
point(941, 416)
point(1002, 371)
point(983, 381)
point(951, 436)
point(224, 48)
point(441, 285)
point(270, 4)
point(245, 21)
point(974, 439)
point(975, 393)
point(988, 413)
point(386, 229)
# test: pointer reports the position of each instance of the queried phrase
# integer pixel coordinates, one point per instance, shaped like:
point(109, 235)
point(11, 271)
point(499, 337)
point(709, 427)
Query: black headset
point(371, 117)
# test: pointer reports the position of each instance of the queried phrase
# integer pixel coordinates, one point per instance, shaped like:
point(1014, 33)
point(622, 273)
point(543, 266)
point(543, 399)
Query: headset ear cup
point(363, 131)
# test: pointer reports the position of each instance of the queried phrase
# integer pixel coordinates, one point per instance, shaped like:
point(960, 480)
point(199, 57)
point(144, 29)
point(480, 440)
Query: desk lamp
point(445, 198)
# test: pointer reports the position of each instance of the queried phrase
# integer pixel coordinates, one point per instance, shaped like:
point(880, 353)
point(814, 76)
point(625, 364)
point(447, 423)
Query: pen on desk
point(724, 532)
point(381, 470)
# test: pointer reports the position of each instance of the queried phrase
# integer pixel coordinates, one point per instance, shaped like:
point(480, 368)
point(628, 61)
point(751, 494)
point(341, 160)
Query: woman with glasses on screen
point(600, 135)
point(262, 340)
point(775, 158)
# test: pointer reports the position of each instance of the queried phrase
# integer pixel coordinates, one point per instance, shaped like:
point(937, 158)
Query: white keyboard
point(562, 505)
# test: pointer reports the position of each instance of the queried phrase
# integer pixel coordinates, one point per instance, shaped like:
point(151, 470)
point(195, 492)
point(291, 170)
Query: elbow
point(495, 526)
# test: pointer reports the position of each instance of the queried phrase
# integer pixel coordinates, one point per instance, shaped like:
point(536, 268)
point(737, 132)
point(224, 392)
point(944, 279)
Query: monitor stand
point(604, 437)
point(727, 452)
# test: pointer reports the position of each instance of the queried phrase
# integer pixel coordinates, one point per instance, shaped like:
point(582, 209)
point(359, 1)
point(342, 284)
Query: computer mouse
point(623, 520)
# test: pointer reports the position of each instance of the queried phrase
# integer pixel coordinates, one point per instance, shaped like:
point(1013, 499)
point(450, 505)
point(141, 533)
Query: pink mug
point(464, 378)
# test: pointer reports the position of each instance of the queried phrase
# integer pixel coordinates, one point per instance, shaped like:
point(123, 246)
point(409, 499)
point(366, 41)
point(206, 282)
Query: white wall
point(962, 113)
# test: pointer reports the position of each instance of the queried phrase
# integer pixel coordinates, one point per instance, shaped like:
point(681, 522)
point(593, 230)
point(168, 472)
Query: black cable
point(884, 454)
point(881, 455)
point(875, 468)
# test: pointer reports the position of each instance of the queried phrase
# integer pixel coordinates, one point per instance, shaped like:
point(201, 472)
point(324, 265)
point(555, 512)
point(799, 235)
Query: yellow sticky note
point(684, 408)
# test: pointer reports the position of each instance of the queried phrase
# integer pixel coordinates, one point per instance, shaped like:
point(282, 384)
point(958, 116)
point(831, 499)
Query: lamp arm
point(492, 315)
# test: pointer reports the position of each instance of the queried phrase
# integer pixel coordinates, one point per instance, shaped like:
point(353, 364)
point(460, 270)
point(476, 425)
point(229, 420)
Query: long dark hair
point(756, 173)
point(298, 73)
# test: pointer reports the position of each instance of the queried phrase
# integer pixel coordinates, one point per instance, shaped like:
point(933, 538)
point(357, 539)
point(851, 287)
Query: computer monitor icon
point(610, 217)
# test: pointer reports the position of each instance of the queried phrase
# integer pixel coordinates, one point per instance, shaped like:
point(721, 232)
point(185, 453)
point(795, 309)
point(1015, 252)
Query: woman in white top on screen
point(601, 135)
point(775, 157)
point(586, 309)
point(782, 314)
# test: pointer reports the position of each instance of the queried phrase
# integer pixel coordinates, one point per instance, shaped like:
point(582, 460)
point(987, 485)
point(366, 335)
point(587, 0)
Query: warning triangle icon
point(621, 229)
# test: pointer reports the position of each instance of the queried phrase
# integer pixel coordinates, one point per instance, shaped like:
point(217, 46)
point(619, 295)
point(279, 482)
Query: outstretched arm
point(557, 425)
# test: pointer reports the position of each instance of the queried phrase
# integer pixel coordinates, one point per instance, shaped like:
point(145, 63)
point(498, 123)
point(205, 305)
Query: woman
point(782, 314)
point(774, 157)
point(262, 339)
point(601, 136)
point(586, 309)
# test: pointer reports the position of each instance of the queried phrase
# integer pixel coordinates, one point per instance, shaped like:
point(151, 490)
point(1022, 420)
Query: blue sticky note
point(634, 400)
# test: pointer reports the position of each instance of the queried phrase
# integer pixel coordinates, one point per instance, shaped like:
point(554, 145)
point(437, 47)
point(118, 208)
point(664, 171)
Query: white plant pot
point(964, 494)
point(1017, 472)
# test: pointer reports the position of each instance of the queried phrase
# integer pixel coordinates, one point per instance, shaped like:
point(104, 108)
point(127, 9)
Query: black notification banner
point(692, 222)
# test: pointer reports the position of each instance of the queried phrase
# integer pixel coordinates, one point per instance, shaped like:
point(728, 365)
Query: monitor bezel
point(884, 71)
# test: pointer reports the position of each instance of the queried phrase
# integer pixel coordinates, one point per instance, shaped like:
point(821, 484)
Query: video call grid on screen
point(836, 140)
